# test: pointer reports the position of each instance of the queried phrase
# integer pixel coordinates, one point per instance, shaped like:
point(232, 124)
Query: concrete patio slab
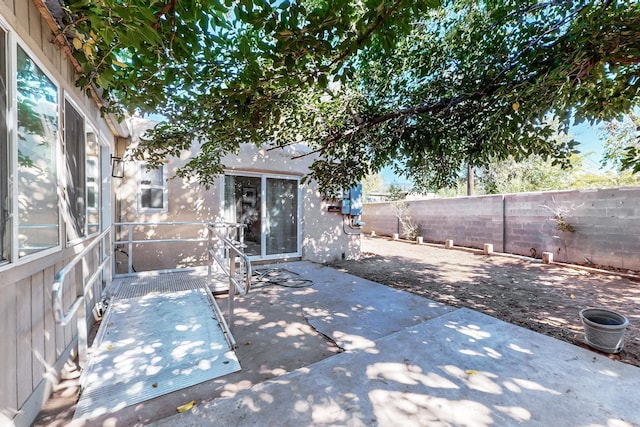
point(462, 368)
point(409, 361)
point(354, 312)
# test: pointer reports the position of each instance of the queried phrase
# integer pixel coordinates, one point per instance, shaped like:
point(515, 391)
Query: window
point(38, 212)
point(152, 194)
point(93, 183)
point(34, 143)
point(74, 154)
point(5, 207)
point(82, 156)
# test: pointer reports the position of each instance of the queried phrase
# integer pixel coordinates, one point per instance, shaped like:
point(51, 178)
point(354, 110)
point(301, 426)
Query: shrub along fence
point(600, 227)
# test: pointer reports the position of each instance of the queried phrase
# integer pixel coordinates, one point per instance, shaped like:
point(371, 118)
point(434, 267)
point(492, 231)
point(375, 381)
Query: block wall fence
point(606, 224)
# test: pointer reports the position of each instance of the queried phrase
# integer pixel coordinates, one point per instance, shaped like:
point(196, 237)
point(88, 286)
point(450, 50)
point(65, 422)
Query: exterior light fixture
point(117, 167)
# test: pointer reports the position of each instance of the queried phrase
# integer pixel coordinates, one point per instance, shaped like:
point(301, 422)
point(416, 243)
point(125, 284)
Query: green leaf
point(367, 84)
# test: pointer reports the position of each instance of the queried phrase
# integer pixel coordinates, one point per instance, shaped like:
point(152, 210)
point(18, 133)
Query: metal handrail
point(226, 252)
point(78, 306)
point(161, 223)
point(128, 229)
point(58, 284)
point(235, 246)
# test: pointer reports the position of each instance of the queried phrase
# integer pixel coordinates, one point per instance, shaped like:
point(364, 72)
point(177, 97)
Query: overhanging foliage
point(363, 83)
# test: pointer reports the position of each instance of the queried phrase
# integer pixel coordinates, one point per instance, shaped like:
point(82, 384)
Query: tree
point(474, 83)
point(584, 179)
point(363, 83)
point(532, 174)
point(622, 143)
point(537, 174)
point(395, 193)
point(371, 184)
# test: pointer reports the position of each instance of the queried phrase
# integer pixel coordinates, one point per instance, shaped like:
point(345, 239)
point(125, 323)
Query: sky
point(590, 142)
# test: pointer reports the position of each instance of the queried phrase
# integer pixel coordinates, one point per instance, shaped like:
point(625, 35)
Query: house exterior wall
point(322, 238)
point(606, 223)
point(34, 346)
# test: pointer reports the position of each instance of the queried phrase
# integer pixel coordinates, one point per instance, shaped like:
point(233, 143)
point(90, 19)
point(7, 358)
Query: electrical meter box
point(352, 201)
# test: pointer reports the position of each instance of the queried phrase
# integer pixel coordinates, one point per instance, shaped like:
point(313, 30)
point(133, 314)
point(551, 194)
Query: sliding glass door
point(269, 207)
point(242, 204)
point(281, 228)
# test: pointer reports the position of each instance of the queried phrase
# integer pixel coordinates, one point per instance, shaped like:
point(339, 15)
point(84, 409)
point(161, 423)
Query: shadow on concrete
point(407, 360)
point(543, 298)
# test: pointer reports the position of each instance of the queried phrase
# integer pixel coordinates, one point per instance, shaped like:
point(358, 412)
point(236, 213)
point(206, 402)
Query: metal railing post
point(130, 249)
point(228, 254)
point(209, 256)
point(107, 274)
point(83, 342)
point(240, 233)
point(232, 288)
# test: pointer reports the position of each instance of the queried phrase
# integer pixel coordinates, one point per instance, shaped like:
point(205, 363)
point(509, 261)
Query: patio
point(403, 360)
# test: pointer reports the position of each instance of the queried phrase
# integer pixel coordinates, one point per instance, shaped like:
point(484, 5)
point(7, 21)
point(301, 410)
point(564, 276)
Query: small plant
point(560, 216)
point(562, 224)
point(409, 230)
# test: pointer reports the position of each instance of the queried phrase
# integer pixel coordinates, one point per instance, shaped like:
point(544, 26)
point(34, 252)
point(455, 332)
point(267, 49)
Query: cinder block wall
point(606, 223)
point(380, 217)
point(469, 221)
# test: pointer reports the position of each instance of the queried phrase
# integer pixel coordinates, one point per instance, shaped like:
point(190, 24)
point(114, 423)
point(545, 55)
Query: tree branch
point(167, 7)
point(366, 35)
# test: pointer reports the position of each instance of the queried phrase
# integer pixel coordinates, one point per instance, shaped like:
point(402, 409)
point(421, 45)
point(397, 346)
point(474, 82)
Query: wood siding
point(34, 346)
point(32, 340)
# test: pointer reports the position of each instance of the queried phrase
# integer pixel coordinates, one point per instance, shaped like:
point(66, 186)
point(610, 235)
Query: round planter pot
point(604, 329)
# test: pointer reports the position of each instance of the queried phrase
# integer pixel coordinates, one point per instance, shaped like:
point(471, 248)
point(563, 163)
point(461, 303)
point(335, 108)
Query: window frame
point(68, 179)
point(97, 194)
point(89, 128)
point(142, 168)
point(15, 43)
point(6, 153)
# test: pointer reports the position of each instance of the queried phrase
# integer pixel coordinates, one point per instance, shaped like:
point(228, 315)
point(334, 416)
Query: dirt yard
point(543, 298)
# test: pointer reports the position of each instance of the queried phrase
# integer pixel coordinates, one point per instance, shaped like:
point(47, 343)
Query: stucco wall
point(606, 223)
point(322, 236)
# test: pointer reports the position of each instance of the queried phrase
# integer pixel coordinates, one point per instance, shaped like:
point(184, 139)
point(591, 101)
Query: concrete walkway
point(411, 361)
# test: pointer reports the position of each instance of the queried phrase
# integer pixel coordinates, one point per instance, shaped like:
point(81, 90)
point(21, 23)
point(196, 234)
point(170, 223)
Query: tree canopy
point(428, 86)
point(622, 142)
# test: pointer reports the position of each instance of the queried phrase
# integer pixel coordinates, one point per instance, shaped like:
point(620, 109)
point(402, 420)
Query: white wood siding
point(33, 345)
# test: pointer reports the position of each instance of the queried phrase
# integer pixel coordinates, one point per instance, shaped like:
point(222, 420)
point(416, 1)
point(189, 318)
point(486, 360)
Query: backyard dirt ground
point(540, 297)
